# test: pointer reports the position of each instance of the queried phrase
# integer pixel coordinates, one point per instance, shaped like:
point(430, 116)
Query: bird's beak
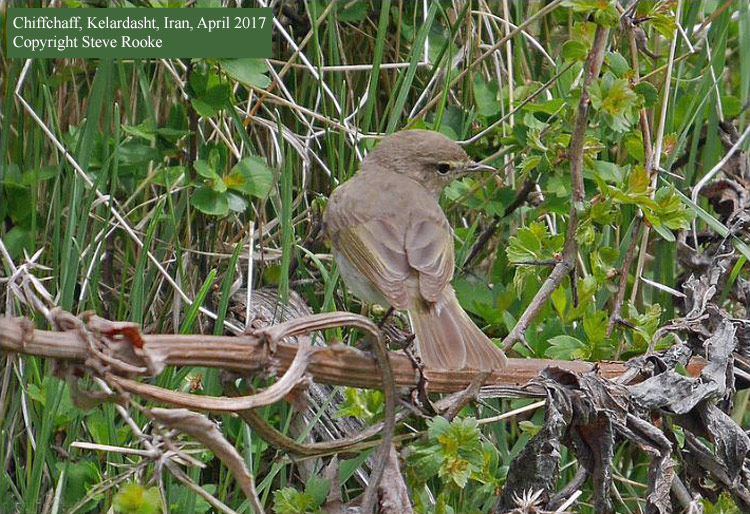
point(472, 166)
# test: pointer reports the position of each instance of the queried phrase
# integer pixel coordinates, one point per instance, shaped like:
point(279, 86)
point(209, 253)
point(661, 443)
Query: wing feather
point(429, 250)
point(375, 249)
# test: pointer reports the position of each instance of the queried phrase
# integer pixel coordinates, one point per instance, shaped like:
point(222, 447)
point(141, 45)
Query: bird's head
point(427, 157)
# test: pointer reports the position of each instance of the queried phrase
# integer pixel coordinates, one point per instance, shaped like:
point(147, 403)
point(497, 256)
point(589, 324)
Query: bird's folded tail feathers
point(448, 339)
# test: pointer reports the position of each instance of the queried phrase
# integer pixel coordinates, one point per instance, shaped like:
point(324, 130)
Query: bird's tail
point(447, 339)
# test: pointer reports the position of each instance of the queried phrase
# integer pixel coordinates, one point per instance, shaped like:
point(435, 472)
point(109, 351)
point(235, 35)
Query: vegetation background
point(221, 169)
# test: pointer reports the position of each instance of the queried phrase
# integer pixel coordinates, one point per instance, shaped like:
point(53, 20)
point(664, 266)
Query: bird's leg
point(392, 325)
point(369, 310)
point(396, 336)
point(365, 344)
point(419, 396)
point(387, 315)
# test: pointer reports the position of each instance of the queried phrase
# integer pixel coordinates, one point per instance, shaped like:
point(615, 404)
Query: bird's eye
point(443, 168)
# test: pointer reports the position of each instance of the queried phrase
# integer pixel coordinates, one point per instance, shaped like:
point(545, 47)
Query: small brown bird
point(394, 245)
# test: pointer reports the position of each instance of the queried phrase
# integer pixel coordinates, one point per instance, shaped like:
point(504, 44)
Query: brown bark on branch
point(337, 364)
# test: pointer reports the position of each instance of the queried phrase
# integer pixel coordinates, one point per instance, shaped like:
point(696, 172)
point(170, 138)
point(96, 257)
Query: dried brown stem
point(276, 438)
point(289, 62)
point(337, 364)
point(466, 396)
point(207, 432)
point(389, 423)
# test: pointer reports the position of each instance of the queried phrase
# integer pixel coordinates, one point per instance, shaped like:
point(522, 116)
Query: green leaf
point(143, 130)
point(210, 94)
point(529, 428)
point(219, 186)
point(317, 488)
point(36, 175)
point(731, 106)
point(171, 134)
point(135, 499)
point(205, 170)
point(559, 301)
point(529, 163)
point(198, 83)
point(251, 176)
point(669, 210)
point(548, 107)
point(37, 394)
point(458, 452)
point(353, 11)
point(135, 154)
point(148, 130)
point(437, 426)
point(664, 24)
point(363, 404)
point(237, 203)
point(617, 63)
point(615, 101)
point(603, 261)
point(526, 246)
point(583, 31)
point(638, 180)
point(217, 96)
point(609, 172)
point(17, 240)
point(486, 96)
point(210, 202)
point(574, 50)
point(595, 326)
point(170, 175)
point(634, 145)
point(566, 348)
point(645, 324)
point(663, 232)
point(533, 242)
point(603, 213)
point(82, 477)
point(604, 11)
point(202, 108)
point(585, 233)
point(649, 93)
point(290, 501)
point(247, 70)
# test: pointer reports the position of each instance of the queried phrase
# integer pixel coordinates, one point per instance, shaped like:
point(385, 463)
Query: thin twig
point(623, 284)
point(528, 21)
point(575, 157)
point(466, 396)
point(485, 236)
point(652, 163)
point(289, 63)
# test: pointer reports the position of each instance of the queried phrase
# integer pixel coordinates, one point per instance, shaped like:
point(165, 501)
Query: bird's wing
point(375, 248)
point(402, 236)
point(429, 250)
